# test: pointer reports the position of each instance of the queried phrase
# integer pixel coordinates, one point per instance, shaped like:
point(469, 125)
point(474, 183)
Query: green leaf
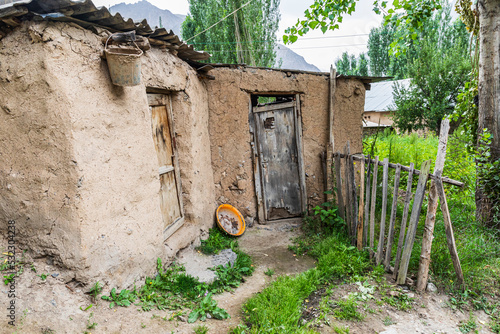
point(293, 38)
point(193, 316)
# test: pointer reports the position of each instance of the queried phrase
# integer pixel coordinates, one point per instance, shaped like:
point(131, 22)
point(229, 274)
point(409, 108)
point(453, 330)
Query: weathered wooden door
point(278, 155)
point(170, 201)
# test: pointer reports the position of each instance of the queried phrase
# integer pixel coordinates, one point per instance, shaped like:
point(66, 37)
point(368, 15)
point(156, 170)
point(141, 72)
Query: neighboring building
point(102, 179)
point(379, 104)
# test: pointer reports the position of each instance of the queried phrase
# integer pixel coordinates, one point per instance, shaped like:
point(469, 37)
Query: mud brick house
point(103, 179)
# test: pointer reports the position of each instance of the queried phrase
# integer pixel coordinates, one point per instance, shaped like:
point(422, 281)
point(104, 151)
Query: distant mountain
point(144, 10)
point(291, 60)
point(285, 58)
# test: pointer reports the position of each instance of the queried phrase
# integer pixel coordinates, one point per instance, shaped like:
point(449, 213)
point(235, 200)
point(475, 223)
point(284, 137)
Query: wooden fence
point(357, 207)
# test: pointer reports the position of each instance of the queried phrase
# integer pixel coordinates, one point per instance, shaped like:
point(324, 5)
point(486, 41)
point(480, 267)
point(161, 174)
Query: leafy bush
point(217, 241)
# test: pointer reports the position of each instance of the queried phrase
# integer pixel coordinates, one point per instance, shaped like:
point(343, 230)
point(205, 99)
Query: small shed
point(101, 180)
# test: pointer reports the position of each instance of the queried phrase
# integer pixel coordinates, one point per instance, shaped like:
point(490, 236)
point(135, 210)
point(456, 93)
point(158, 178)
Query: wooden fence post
point(361, 203)
point(412, 228)
point(402, 231)
point(354, 198)
point(348, 195)
point(372, 208)
point(385, 181)
point(390, 237)
point(430, 219)
point(340, 199)
point(450, 239)
point(367, 204)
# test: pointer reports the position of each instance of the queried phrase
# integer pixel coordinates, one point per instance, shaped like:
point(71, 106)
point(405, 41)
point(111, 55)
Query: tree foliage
point(351, 65)
point(438, 71)
point(246, 36)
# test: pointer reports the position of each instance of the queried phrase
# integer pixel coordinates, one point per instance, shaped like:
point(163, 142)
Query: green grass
point(478, 246)
point(217, 241)
point(173, 289)
point(347, 309)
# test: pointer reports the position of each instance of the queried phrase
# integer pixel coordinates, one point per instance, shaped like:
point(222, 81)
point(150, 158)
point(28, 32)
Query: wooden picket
point(357, 207)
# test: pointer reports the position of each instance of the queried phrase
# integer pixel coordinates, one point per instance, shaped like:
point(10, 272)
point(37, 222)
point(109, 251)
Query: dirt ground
point(55, 306)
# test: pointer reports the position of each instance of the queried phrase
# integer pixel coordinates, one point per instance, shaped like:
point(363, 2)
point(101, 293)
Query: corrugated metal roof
point(370, 124)
point(86, 14)
point(380, 98)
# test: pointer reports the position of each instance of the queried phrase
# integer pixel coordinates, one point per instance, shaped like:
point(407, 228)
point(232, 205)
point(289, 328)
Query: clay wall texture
point(78, 166)
point(229, 98)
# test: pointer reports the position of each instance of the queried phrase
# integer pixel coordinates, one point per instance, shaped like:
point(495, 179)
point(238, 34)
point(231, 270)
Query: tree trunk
point(489, 90)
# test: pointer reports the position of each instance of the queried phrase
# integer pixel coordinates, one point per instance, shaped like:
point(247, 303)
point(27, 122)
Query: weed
point(269, 272)
point(341, 329)
point(347, 309)
point(124, 298)
point(388, 321)
point(48, 331)
point(207, 308)
point(469, 326)
point(143, 325)
point(401, 301)
point(43, 276)
point(8, 278)
point(91, 324)
point(201, 329)
point(96, 289)
point(217, 241)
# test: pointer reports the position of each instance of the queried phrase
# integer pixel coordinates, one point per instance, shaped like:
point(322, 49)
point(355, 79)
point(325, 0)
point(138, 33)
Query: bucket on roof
point(124, 65)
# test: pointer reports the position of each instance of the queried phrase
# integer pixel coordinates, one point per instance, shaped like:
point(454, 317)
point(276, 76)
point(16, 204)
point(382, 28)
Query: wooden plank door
point(170, 201)
point(278, 153)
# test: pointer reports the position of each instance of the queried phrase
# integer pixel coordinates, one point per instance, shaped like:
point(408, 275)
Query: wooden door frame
point(259, 191)
point(165, 99)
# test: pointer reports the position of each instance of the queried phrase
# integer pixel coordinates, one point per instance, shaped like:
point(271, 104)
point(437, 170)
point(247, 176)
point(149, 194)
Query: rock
point(182, 318)
point(431, 287)
point(55, 275)
point(224, 257)
point(411, 295)
point(394, 293)
point(209, 316)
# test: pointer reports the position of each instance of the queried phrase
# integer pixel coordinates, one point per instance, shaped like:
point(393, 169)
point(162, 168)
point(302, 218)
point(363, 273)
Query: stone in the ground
point(431, 287)
point(224, 257)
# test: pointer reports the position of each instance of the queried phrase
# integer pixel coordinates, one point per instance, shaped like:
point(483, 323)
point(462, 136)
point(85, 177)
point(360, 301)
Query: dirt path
point(51, 307)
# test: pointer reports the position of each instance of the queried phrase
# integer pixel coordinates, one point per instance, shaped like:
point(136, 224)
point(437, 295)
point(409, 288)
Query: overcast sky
point(317, 48)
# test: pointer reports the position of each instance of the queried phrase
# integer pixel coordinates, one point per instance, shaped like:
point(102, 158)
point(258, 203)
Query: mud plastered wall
point(78, 166)
point(229, 96)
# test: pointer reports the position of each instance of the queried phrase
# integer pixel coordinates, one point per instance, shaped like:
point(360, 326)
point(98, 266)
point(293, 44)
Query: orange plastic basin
point(230, 220)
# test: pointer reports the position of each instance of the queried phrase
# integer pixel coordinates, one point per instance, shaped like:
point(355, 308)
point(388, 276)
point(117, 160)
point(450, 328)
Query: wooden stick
point(372, 209)
point(348, 201)
point(450, 239)
point(331, 144)
point(430, 220)
point(412, 228)
point(402, 232)
point(340, 199)
point(390, 237)
point(354, 198)
point(367, 204)
point(407, 169)
point(361, 204)
point(385, 181)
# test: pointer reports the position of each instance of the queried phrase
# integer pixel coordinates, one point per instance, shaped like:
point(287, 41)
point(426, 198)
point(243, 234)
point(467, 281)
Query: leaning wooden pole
point(402, 231)
point(430, 219)
point(450, 239)
point(385, 181)
point(412, 228)
point(372, 207)
point(392, 223)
